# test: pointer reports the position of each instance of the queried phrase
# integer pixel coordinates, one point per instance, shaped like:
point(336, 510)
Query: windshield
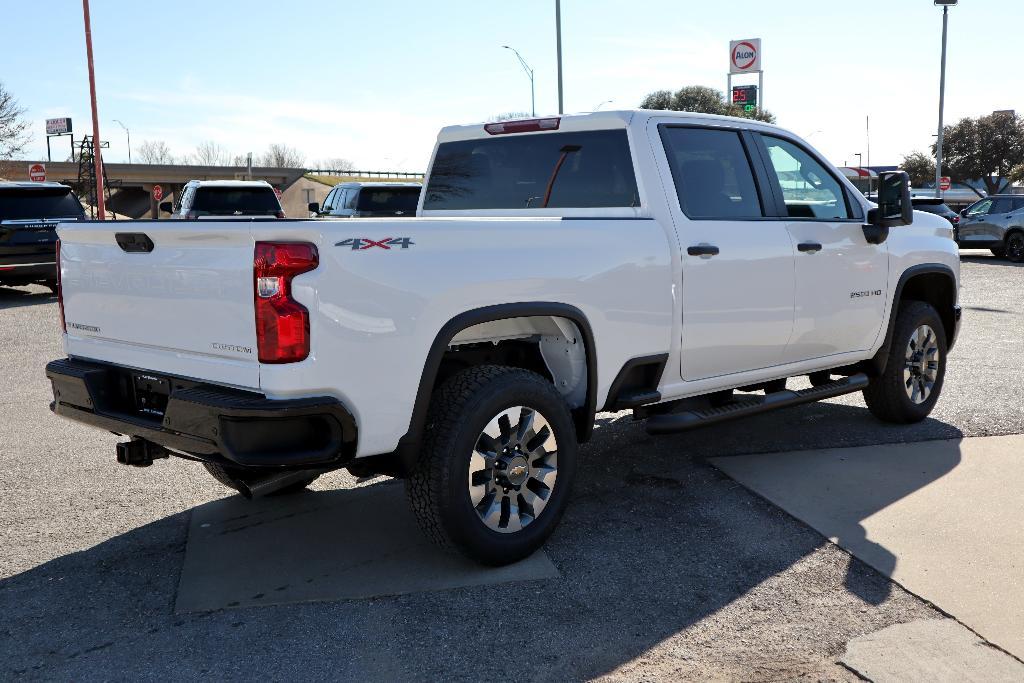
point(235, 201)
point(49, 203)
point(388, 200)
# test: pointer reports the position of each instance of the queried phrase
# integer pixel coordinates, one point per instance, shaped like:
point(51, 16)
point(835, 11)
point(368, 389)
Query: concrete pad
point(945, 519)
point(936, 650)
point(326, 545)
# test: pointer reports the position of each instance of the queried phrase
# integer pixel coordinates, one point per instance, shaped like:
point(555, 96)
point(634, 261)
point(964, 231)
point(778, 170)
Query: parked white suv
point(653, 261)
point(225, 198)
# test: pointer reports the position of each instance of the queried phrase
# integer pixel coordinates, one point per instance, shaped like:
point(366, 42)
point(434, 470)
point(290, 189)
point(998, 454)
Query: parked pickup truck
point(652, 261)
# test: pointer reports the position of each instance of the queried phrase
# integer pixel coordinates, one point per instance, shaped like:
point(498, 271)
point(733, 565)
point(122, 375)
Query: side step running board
point(691, 419)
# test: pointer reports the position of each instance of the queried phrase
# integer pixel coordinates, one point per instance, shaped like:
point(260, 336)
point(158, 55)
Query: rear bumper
point(209, 422)
point(27, 269)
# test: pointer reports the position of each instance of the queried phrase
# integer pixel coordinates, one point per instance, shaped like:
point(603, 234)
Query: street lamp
point(945, 5)
point(129, 135)
point(598, 106)
point(529, 72)
point(860, 159)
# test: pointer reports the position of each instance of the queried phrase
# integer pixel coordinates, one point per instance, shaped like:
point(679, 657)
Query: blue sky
point(372, 82)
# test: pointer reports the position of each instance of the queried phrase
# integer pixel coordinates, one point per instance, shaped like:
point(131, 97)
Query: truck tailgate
point(184, 308)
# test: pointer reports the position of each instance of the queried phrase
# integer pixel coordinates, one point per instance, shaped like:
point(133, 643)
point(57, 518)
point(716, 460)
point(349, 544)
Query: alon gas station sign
point(745, 58)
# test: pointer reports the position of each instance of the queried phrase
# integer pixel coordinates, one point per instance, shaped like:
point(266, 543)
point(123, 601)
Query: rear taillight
point(60, 292)
point(279, 214)
point(282, 324)
point(523, 126)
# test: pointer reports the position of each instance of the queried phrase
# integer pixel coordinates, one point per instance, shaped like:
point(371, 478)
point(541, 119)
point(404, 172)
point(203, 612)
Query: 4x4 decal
point(363, 243)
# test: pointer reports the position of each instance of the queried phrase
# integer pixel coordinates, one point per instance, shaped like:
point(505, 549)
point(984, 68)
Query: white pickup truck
point(670, 263)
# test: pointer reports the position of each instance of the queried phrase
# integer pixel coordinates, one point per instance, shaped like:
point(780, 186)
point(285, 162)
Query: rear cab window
point(235, 201)
point(25, 204)
point(563, 170)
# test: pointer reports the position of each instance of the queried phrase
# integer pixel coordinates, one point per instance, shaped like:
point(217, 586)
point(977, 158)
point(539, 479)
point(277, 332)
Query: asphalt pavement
point(668, 568)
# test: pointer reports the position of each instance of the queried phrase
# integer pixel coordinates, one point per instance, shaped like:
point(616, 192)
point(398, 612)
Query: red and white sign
point(945, 182)
point(745, 56)
point(37, 173)
point(158, 192)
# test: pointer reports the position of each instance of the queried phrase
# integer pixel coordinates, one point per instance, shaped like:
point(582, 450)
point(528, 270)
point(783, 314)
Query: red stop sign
point(37, 173)
point(158, 192)
point(945, 182)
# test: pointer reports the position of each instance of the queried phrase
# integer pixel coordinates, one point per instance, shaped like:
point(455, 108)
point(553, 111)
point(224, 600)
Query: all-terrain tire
point(231, 477)
point(889, 396)
point(438, 486)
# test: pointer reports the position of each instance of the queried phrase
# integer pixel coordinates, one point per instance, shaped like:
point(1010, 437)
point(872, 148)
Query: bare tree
point(209, 153)
point(155, 152)
point(335, 164)
point(281, 156)
point(14, 135)
point(510, 116)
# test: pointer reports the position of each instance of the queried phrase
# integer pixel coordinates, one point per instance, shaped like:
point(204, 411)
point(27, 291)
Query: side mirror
point(167, 207)
point(894, 206)
point(963, 212)
point(314, 207)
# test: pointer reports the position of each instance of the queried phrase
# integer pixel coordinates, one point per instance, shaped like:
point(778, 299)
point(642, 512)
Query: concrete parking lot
point(666, 567)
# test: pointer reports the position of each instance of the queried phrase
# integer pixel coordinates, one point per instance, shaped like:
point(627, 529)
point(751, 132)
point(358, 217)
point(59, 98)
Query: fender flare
point(583, 417)
point(878, 362)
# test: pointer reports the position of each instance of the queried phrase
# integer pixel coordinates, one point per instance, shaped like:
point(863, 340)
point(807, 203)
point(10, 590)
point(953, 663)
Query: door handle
point(706, 250)
point(809, 247)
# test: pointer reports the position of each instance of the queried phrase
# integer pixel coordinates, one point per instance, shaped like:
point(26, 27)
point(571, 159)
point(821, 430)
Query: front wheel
point(914, 372)
point(497, 464)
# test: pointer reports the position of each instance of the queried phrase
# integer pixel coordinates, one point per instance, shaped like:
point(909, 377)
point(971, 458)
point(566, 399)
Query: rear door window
point(588, 169)
point(28, 204)
point(1000, 205)
point(712, 173)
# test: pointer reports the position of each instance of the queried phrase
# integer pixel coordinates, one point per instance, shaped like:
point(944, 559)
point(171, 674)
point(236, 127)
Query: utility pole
point(97, 159)
point(558, 49)
point(942, 96)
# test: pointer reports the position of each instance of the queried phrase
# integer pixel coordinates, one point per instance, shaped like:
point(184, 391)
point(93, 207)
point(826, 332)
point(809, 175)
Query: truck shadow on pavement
point(11, 297)
point(990, 260)
point(657, 550)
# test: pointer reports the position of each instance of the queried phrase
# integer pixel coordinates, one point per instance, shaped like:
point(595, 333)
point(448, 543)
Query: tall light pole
point(558, 50)
point(945, 4)
point(529, 72)
point(129, 136)
point(101, 211)
point(597, 107)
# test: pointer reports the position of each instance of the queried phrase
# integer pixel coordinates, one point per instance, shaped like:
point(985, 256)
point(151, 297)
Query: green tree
point(703, 100)
point(1017, 174)
point(921, 168)
point(986, 148)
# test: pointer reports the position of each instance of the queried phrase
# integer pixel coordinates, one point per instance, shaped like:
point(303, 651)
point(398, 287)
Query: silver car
point(995, 223)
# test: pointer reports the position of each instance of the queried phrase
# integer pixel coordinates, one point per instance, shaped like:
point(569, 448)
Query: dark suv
point(367, 200)
point(936, 206)
point(29, 213)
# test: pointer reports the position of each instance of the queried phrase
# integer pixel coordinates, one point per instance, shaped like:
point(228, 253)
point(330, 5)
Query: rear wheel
point(914, 372)
point(1015, 247)
point(497, 464)
point(232, 477)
